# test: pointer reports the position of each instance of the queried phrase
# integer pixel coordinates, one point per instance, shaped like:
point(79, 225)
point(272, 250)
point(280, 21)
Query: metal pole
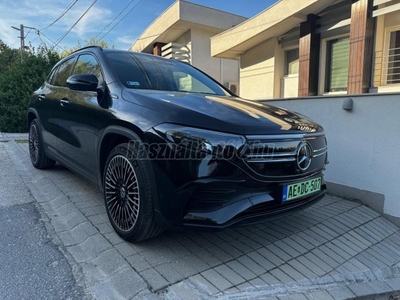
point(22, 42)
point(22, 37)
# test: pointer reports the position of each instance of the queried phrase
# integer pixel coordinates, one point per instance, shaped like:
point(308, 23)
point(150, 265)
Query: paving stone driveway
point(335, 249)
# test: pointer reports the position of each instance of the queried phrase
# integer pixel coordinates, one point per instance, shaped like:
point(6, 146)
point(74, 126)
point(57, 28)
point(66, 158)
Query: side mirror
point(83, 82)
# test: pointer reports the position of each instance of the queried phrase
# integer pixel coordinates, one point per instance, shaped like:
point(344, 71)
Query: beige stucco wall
point(392, 19)
point(223, 70)
point(184, 39)
point(206, 16)
point(257, 71)
point(290, 87)
point(169, 17)
point(230, 71)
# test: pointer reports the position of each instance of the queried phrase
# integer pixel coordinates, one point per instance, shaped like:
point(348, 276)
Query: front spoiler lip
point(260, 217)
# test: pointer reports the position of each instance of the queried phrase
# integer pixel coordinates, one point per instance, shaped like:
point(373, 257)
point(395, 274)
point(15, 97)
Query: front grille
point(277, 155)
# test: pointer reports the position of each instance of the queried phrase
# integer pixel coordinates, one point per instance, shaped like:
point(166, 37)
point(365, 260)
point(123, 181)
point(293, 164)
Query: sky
point(103, 16)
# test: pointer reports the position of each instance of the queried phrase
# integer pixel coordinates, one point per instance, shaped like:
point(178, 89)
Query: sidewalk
point(336, 249)
point(12, 136)
point(32, 265)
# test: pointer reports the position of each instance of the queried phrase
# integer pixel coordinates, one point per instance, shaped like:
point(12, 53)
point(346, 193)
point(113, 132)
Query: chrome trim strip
point(284, 136)
point(255, 161)
point(322, 149)
point(320, 154)
point(270, 155)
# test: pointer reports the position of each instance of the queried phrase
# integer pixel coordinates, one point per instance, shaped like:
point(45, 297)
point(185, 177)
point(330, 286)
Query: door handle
point(64, 102)
point(41, 97)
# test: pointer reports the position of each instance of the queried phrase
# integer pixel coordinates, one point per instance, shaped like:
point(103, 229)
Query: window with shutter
point(337, 64)
point(393, 52)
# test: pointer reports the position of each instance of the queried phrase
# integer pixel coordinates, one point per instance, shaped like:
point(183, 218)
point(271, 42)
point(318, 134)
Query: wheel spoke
point(112, 209)
point(133, 182)
point(112, 199)
point(110, 178)
point(133, 209)
point(113, 175)
point(110, 185)
point(133, 201)
point(131, 215)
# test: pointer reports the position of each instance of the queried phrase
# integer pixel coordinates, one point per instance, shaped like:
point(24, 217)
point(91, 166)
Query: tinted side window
point(60, 78)
point(128, 71)
point(178, 76)
point(87, 64)
point(50, 78)
point(157, 81)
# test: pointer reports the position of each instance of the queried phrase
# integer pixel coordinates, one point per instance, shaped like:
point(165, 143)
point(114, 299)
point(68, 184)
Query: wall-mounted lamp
point(347, 104)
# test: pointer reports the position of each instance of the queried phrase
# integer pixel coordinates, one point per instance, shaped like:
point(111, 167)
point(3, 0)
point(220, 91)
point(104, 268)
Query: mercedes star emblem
point(304, 156)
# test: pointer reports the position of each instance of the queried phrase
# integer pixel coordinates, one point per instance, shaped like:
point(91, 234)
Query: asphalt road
point(31, 265)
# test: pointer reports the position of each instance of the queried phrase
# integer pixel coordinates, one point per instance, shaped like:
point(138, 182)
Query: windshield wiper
point(203, 93)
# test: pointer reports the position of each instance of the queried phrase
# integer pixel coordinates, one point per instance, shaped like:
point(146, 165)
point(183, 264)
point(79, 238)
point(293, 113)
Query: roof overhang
point(181, 17)
point(272, 22)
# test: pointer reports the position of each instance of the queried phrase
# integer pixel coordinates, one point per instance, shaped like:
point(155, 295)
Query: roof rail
point(87, 47)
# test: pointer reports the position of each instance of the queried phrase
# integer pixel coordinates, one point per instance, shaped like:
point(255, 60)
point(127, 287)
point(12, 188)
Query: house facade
point(183, 32)
point(316, 47)
point(337, 62)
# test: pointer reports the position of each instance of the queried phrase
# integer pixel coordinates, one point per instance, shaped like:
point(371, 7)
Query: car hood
point(222, 113)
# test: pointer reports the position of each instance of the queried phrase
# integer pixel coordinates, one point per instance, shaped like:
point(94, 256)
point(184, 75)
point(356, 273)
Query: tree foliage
point(17, 82)
point(88, 42)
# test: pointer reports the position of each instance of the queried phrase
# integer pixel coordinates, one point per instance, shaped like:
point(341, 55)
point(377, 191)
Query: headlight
point(200, 141)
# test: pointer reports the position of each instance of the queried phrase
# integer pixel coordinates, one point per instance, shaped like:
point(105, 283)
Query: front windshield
point(147, 72)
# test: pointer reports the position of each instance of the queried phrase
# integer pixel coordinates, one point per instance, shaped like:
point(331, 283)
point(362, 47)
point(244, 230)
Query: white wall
point(364, 144)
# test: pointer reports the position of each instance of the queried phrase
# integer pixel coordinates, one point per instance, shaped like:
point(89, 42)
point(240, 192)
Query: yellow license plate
point(301, 189)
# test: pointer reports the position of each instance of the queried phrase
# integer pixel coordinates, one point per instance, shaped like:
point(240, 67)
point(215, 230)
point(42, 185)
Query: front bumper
point(249, 205)
point(215, 203)
point(209, 192)
point(246, 212)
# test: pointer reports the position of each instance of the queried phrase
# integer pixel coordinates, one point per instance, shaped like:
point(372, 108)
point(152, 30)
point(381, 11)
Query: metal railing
point(392, 66)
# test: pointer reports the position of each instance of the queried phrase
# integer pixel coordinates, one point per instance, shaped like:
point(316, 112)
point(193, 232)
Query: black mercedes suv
point(169, 146)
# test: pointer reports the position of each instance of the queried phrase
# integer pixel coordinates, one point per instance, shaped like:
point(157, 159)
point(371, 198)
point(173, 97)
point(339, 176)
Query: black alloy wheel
point(122, 193)
point(36, 149)
point(129, 193)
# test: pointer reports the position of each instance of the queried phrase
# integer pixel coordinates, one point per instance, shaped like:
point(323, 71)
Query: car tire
point(129, 193)
point(36, 148)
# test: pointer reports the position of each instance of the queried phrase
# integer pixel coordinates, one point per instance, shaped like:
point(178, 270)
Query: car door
point(49, 105)
point(78, 121)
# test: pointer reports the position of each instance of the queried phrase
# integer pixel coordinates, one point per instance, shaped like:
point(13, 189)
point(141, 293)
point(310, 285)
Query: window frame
point(386, 45)
point(57, 68)
point(323, 65)
point(97, 60)
point(285, 66)
point(50, 77)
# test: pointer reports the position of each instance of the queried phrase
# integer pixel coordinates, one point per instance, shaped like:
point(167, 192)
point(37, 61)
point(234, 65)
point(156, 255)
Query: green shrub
point(18, 81)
